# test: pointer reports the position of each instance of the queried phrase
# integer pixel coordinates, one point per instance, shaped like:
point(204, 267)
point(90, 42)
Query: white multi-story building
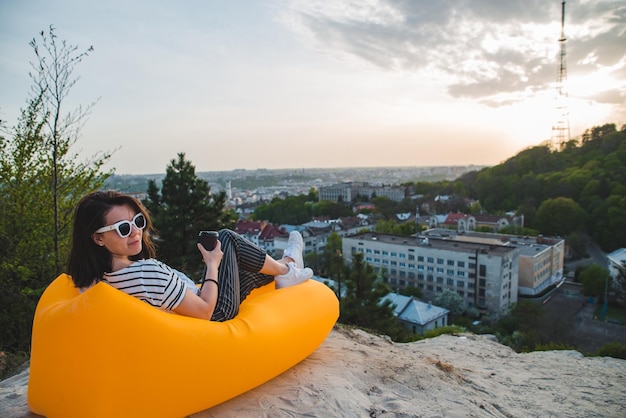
point(541, 264)
point(541, 259)
point(484, 275)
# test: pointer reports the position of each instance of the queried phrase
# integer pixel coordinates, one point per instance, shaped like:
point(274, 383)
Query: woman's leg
point(291, 255)
point(240, 273)
point(245, 267)
point(274, 267)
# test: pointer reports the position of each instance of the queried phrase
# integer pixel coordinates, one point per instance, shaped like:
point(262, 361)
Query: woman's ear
point(97, 238)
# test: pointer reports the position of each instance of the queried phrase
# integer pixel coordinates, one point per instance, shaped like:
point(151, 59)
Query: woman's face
point(120, 247)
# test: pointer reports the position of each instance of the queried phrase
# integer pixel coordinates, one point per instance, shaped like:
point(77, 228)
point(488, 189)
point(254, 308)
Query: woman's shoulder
point(150, 263)
point(148, 269)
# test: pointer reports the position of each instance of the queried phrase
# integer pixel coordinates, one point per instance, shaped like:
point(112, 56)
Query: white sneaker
point(294, 249)
point(293, 277)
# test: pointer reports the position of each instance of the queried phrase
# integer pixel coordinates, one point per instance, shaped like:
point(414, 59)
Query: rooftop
point(434, 242)
point(528, 246)
point(414, 311)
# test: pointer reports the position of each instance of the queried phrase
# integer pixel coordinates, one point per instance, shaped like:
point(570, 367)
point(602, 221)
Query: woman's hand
point(211, 259)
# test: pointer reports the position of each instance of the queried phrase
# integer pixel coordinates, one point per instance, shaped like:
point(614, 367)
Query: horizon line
point(315, 168)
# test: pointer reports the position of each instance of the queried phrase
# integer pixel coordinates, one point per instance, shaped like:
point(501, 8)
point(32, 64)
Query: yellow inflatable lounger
point(104, 353)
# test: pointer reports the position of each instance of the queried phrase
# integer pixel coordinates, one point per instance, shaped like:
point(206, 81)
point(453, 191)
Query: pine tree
point(184, 207)
point(362, 303)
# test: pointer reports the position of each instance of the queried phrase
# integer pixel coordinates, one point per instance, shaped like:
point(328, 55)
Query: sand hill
point(355, 374)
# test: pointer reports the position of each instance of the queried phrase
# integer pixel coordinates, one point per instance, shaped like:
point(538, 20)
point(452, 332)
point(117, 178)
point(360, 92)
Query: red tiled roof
point(248, 227)
point(270, 231)
point(453, 218)
point(483, 218)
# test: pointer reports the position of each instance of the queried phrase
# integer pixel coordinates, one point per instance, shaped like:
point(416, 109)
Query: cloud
point(493, 52)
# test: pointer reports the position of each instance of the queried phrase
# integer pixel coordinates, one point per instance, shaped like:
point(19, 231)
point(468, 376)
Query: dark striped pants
point(238, 273)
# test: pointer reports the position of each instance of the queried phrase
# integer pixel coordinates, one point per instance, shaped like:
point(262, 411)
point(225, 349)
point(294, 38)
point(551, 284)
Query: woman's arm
point(202, 305)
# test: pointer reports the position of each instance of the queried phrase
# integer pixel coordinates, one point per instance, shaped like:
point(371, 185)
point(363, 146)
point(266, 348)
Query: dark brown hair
point(88, 261)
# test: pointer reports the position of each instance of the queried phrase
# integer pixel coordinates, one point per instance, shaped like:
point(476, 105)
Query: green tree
point(411, 291)
point(22, 219)
point(610, 216)
point(475, 208)
point(517, 230)
point(41, 181)
point(620, 281)
point(332, 210)
point(184, 207)
point(520, 328)
point(385, 207)
point(363, 303)
point(316, 262)
point(595, 280)
point(450, 300)
point(333, 260)
point(294, 210)
point(577, 241)
point(560, 216)
point(392, 227)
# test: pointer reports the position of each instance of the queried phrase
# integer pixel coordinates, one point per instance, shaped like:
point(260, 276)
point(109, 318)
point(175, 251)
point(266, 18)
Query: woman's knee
point(223, 234)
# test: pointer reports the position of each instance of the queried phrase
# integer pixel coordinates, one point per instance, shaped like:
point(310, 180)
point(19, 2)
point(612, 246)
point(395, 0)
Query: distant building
point(262, 234)
point(617, 262)
point(463, 222)
point(313, 241)
point(250, 229)
point(417, 316)
point(428, 221)
point(267, 238)
point(395, 193)
point(335, 193)
point(484, 275)
point(345, 192)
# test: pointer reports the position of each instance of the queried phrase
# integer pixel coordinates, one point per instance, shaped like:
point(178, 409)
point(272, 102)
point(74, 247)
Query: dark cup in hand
point(208, 239)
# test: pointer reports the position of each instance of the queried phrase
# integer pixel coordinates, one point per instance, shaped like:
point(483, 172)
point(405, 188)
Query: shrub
point(614, 349)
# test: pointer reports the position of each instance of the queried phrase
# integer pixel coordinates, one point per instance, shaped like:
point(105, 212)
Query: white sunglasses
point(124, 228)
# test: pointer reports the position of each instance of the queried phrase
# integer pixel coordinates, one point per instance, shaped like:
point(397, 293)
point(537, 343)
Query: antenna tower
point(561, 131)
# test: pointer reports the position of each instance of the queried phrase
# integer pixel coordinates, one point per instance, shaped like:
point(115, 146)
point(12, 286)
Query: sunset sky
point(322, 83)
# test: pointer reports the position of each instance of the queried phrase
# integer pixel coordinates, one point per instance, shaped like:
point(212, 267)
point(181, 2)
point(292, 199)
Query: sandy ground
point(355, 374)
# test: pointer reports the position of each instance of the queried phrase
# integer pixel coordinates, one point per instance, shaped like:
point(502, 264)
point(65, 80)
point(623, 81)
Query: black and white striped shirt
point(153, 282)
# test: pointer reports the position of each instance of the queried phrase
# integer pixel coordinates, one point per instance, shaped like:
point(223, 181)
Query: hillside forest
point(580, 188)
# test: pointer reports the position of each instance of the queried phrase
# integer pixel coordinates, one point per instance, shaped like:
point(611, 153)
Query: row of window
point(430, 278)
point(432, 288)
point(421, 267)
point(419, 258)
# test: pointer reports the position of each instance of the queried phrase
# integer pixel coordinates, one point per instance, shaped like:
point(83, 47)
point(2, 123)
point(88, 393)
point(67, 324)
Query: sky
point(252, 84)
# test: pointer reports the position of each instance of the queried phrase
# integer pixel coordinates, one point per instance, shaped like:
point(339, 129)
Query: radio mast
point(561, 131)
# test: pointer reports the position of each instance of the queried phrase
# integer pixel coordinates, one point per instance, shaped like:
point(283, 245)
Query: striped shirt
point(153, 282)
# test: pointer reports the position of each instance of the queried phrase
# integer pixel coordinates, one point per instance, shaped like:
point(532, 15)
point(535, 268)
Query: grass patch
point(614, 314)
point(10, 363)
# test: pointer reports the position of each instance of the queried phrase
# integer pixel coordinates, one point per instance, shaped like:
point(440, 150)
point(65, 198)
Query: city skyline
point(313, 84)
